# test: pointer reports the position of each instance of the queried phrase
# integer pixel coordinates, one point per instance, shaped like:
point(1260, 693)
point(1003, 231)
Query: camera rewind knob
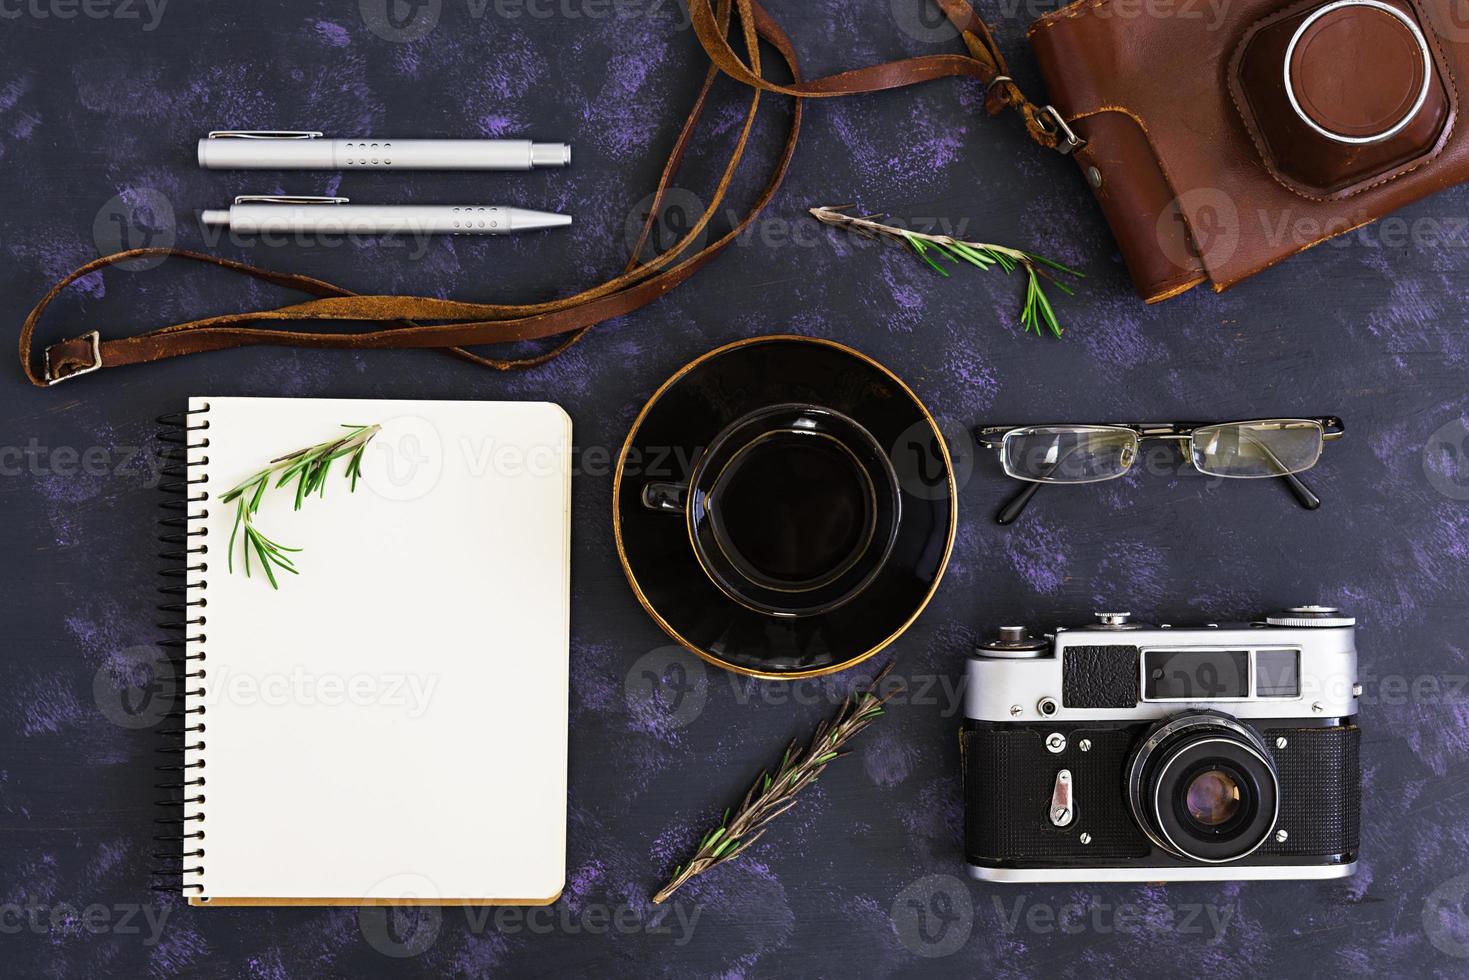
point(1321, 616)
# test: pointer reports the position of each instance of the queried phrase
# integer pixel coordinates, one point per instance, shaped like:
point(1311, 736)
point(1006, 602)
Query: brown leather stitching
point(1402, 170)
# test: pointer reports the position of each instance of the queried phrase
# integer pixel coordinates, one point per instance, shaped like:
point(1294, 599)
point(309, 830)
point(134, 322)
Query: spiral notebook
point(389, 725)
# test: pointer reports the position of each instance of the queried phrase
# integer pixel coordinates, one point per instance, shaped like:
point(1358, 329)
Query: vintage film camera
point(1125, 752)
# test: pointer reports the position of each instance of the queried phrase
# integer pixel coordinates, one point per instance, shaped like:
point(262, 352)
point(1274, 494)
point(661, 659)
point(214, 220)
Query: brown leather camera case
point(1222, 137)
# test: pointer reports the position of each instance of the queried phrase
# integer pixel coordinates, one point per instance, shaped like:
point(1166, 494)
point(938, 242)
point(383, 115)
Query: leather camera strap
point(455, 326)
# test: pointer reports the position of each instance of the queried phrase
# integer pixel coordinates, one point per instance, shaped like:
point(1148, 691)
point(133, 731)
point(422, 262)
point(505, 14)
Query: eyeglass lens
point(1068, 454)
point(1252, 450)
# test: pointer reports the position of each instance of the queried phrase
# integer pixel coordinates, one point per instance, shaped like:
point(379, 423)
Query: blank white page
point(391, 723)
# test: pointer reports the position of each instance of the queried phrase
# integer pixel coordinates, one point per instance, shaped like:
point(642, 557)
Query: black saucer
point(665, 443)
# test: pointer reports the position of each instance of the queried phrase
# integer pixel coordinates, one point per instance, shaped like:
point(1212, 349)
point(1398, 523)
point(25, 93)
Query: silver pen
point(282, 214)
point(243, 149)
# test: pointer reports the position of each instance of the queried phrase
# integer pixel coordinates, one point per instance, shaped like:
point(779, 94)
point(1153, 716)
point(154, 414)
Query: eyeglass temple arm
point(1016, 504)
point(1333, 428)
point(1301, 492)
point(1298, 488)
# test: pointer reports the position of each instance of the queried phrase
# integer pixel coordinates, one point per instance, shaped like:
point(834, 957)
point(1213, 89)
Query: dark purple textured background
point(98, 114)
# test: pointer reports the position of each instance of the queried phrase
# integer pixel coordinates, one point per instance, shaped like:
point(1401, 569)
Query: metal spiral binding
point(182, 777)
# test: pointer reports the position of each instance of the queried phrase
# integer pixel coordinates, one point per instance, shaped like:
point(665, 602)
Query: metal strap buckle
point(96, 338)
point(1067, 142)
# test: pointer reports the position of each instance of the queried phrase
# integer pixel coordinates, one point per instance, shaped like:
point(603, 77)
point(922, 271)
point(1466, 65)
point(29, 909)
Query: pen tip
point(522, 220)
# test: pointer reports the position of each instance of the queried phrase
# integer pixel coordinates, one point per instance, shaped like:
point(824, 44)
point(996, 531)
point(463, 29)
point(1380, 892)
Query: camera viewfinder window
point(1278, 674)
point(1196, 675)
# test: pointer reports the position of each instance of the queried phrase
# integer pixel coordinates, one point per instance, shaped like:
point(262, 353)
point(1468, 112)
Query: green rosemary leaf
point(230, 554)
point(275, 545)
point(264, 561)
point(1047, 313)
point(1005, 262)
point(287, 473)
point(1055, 265)
point(969, 255)
point(922, 251)
point(943, 249)
point(281, 562)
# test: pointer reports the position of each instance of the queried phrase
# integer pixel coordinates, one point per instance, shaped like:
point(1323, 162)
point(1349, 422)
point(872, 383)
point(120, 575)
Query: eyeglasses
point(1248, 450)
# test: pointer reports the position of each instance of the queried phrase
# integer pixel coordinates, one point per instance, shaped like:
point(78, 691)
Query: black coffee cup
point(792, 510)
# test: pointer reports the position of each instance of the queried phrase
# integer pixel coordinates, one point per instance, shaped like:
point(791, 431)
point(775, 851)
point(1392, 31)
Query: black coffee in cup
point(793, 509)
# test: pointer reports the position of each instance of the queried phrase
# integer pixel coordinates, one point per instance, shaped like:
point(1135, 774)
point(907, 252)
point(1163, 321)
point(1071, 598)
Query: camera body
point(1129, 752)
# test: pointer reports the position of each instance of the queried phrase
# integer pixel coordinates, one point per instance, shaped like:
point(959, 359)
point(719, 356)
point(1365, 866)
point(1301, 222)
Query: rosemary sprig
point(936, 249)
point(309, 468)
point(771, 795)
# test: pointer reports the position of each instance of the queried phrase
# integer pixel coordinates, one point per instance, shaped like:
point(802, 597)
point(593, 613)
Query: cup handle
point(668, 498)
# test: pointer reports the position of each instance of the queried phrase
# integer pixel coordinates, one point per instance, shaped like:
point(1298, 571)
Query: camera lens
point(1213, 798)
point(1203, 787)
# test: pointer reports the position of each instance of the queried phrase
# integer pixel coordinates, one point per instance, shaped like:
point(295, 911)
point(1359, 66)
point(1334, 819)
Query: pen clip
point(287, 199)
point(265, 134)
